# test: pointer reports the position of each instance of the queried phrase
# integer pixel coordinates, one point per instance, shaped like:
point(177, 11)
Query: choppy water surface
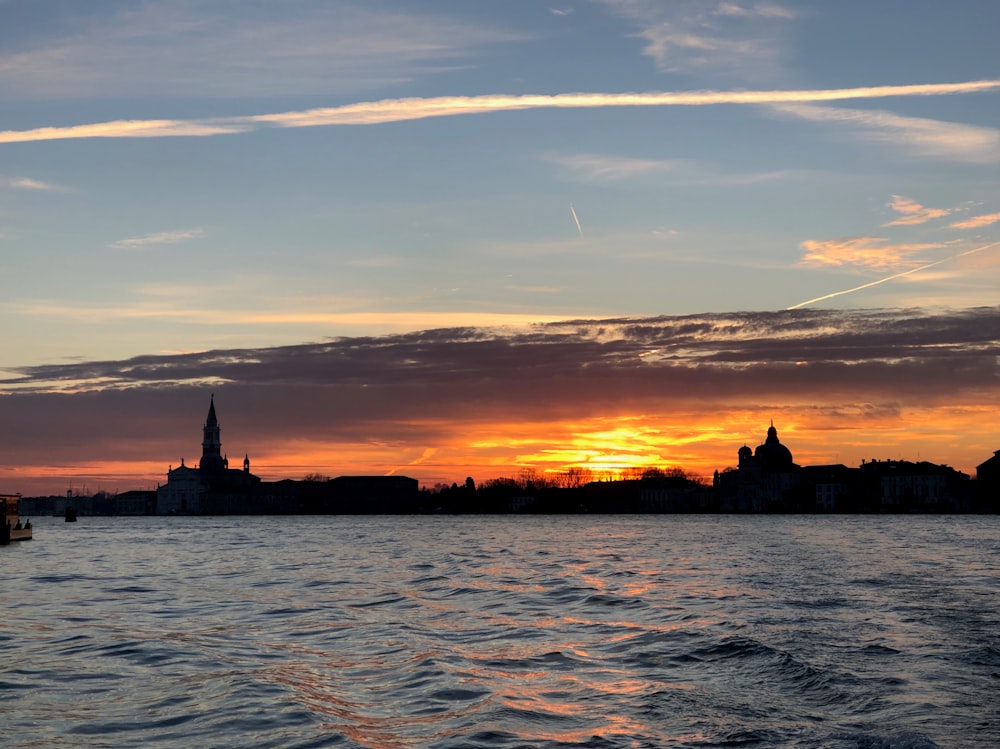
point(498, 632)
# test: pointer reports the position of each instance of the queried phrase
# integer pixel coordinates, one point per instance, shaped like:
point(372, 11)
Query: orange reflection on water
point(349, 692)
point(659, 628)
point(548, 697)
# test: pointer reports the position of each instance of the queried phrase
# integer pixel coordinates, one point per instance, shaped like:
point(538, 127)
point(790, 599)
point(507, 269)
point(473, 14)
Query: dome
point(772, 454)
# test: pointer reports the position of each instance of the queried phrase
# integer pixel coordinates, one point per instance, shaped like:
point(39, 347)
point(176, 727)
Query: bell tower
point(211, 443)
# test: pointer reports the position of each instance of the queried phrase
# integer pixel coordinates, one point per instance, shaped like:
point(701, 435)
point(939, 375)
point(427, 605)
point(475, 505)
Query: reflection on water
point(503, 631)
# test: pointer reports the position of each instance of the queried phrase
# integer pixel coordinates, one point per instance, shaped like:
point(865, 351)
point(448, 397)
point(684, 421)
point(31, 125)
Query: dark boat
point(70, 515)
point(11, 528)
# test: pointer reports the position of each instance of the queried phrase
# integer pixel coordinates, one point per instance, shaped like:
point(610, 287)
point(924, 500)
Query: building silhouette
point(213, 488)
point(766, 479)
point(988, 484)
point(199, 490)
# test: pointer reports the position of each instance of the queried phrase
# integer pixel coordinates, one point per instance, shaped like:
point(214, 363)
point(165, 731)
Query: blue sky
point(219, 176)
point(115, 246)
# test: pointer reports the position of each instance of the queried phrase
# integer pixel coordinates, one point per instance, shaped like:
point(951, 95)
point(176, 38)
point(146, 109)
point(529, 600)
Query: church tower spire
point(211, 443)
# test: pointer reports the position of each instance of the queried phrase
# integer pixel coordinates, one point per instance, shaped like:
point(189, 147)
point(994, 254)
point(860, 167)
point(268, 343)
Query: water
point(501, 632)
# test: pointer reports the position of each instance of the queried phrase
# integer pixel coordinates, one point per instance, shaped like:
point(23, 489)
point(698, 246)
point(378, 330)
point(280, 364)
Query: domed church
point(771, 455)
point(763, 479)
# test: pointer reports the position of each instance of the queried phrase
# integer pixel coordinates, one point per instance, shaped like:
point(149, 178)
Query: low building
point(833, 487)
point(135, 502)
point(988, 484)
point(904, 486)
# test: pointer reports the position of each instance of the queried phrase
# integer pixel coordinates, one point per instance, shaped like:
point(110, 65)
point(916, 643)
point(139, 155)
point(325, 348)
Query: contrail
point(578, 227)
point(401, 110)
point(893, 277)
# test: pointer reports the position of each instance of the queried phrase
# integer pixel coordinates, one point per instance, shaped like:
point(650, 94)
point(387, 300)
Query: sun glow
point(560, 452)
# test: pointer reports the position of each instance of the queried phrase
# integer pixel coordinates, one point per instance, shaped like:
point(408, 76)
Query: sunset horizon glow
point(532, 452)
point(604, 398)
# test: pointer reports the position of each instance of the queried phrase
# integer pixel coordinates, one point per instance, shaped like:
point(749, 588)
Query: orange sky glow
point(602, 399)
point(601, 448)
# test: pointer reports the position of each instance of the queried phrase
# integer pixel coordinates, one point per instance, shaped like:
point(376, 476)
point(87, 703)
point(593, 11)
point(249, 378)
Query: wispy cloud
point(205, 49)
point(397, 110)
point(685, 349)
point(126, 129)
point(182, 306)
point(947, 138)
point(896, 276)
point(740, 40)
point(593, 167)
point(762, 10)
point(164, 237)
point(606, 167)
point(864, 252)
point(912, 213)
point(977, 222)
point(26, 183)
point(917, 135)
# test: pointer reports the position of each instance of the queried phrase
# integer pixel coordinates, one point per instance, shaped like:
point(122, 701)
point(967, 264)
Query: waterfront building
point(904, 486)
point(213, 488)
point(988, 484)
point(833, 487)
point(765, 479)
point(213, 483)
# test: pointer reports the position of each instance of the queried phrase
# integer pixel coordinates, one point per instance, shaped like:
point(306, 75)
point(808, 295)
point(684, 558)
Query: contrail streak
point(401, 110)
point(892, 277)
point(578, 227)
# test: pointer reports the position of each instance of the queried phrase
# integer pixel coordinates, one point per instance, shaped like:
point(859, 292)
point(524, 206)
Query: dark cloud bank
point(392, 388)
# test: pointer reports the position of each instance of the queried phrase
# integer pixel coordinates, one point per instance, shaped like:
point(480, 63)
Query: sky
point(446, 238)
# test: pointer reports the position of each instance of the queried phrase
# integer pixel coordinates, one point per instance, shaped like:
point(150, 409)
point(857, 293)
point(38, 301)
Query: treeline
point(574, 491)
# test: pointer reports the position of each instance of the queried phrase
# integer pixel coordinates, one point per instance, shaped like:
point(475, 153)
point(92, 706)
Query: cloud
point(684, 356)
point(26, 183)
point(603, 167)
point(912, 213)
point(126, 129)
point(182, 306)
point(895, 276)
point(592, 167)
point(223, 49)
point(397, 110)
point(865, 252)
point(733, 39)
point(977, 222)
point(967, 140)
point(486, 398)
point(917, 135)
point(165, 237)
point(762, 10)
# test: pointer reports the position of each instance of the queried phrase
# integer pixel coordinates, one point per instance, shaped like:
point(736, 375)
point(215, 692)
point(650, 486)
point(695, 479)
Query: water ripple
point(838, 633)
